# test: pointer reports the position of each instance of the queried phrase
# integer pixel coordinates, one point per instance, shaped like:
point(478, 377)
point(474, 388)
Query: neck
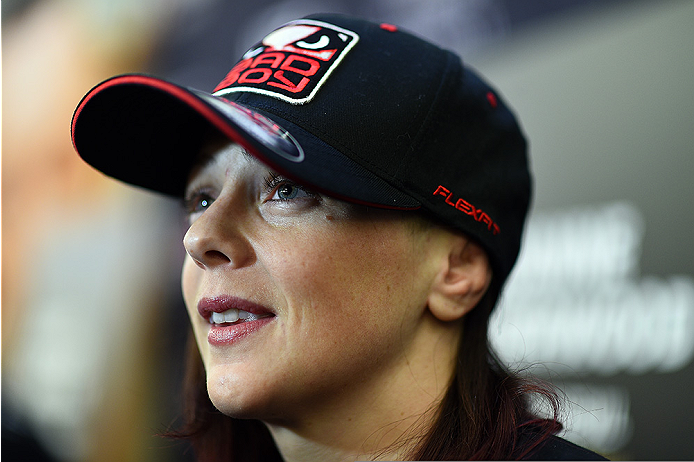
point(350, 438)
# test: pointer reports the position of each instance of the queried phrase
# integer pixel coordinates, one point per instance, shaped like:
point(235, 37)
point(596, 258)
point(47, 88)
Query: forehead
point(221, 156)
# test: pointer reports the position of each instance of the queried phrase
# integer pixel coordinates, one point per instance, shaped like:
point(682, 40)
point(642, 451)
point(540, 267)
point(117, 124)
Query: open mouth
point(232, 318)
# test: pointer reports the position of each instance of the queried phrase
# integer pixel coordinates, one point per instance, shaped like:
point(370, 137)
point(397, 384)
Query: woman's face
point(331, 296)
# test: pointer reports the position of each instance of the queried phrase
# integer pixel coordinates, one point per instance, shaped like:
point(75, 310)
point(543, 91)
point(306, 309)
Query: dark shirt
point(555, 448)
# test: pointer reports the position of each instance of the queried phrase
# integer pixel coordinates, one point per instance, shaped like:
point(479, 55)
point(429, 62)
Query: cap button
point(492, 99)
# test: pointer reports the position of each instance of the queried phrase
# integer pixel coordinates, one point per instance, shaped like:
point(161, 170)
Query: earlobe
point(462, 281)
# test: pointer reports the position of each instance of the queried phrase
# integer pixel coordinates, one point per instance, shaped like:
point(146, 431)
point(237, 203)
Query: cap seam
point(425, 125)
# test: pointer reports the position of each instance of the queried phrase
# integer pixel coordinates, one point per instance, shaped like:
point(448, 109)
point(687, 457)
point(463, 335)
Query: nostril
point(216, 257)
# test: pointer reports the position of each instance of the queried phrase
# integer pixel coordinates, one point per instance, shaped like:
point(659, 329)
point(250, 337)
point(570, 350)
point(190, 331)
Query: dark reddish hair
point(485, 414)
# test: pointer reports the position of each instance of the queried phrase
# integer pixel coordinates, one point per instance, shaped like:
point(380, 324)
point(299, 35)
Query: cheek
point(351, 296)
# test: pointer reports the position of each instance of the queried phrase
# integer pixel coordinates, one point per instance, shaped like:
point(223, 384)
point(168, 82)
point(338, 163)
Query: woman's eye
point(198, 202)
point(289, 191)
point(281, 189)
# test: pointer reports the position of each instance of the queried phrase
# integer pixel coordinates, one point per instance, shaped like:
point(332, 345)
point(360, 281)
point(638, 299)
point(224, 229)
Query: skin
point(367, 309)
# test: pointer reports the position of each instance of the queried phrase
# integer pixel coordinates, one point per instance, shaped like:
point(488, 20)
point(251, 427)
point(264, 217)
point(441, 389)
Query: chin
point(235, 397)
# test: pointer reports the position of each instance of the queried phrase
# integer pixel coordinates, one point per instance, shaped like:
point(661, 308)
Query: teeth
point(246, 315)
point(232, 315)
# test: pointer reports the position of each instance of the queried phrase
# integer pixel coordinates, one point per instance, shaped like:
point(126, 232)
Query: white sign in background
point(577, 305)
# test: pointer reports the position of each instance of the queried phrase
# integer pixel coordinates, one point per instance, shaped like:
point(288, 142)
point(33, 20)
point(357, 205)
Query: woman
point(356, 200)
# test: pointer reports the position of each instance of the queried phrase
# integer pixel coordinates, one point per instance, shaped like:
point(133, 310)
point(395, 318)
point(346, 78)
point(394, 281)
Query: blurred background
point(601, 303)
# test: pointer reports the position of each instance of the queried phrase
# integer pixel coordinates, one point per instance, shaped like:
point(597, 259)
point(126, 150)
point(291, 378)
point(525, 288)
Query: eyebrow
point(209, 154)
point(211, 159)
point(247, 154)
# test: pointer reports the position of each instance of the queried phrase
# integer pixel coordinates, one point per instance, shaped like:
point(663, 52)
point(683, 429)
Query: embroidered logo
point(291, 63)
point(467, 208)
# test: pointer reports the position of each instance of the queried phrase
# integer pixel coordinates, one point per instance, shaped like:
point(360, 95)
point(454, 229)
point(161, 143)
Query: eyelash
point(274, 181)
point(271, 181)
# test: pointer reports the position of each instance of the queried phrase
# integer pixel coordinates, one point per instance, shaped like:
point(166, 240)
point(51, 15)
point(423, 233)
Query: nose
point(215, 239)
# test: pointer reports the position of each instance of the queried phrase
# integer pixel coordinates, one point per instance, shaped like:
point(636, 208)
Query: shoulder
point(556, 448)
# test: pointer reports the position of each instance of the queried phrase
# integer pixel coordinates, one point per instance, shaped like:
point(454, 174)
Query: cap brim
point(147, 132)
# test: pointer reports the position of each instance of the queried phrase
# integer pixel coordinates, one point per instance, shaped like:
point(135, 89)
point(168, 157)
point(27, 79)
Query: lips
point(223, 303)
point(232, 318)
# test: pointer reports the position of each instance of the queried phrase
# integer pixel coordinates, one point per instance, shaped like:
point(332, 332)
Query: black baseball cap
point(362, 111)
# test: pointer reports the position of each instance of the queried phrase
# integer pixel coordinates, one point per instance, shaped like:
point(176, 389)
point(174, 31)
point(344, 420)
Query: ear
point(461, 282)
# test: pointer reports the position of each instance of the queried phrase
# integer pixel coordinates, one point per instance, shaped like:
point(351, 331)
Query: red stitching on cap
point(467, 208)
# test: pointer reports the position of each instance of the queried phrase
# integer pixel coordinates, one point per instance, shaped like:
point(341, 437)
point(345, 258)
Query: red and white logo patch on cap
point(291, 63)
